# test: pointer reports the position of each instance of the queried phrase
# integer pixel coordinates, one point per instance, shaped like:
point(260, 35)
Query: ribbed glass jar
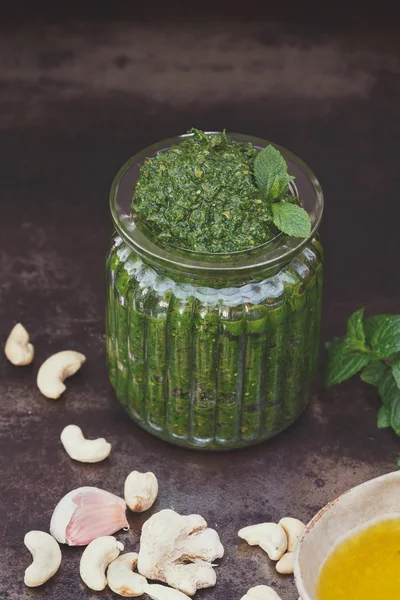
point(213, 351)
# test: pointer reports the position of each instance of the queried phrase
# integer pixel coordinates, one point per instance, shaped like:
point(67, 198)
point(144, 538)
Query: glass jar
point(213, 351)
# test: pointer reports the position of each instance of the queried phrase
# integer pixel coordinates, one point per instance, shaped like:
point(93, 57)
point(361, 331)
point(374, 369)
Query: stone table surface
point(77, 99)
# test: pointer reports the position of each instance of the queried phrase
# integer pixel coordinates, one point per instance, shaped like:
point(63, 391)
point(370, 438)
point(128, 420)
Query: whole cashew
point(95, 560)
point(46, 555)
point(141, 490)
point(269, 536)
point(18, 349)
point(81, 449)
point(55, 369)
point(121, 578)
point(293, 529)
point(285, 564)
point(161, 592)
point(261, 592)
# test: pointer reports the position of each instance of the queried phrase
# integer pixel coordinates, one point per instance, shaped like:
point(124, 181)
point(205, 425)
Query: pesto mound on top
point(212, 194)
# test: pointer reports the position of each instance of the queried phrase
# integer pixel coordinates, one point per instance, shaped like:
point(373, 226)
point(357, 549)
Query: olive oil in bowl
point(365, 565)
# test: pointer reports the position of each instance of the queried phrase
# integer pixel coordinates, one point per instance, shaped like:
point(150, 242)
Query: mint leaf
point(388, 390)
point(291, 219)
point(383, 334)
point(383, 420)
point(270, 170)
point(390, 396)
point(395, 416)
point(374, 372)
point(396, 370)
point(343, 362)
point(355, 327)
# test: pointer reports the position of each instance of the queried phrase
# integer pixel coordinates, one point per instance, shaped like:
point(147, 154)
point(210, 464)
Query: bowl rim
point(298, 578)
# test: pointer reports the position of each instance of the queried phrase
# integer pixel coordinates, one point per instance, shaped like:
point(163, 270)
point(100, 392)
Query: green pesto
point(202, 195)
point(209, 374)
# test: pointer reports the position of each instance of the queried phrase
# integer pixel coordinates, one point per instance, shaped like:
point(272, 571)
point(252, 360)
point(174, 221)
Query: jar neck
point(256, 264)
point(209, 275)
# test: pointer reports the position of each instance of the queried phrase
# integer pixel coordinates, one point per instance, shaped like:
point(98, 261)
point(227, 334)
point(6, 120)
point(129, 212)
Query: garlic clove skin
point(85, 514)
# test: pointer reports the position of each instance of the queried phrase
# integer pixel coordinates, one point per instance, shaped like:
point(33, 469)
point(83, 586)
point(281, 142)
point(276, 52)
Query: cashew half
point(95, 560)
point(293, 529)
point(81, 449)
point(285, 564)
point(269, 536)
point(261, 592)
point(161, 592)
point(46, 555)
point(55, 369)
point(18, 349)
point(121, 578)
point(141, 490)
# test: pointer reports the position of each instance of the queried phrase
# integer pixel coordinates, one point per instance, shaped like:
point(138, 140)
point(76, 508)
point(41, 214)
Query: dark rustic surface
point(76, 101)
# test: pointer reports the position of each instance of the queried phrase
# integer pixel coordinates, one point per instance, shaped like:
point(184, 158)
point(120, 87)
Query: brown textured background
point(78, 97)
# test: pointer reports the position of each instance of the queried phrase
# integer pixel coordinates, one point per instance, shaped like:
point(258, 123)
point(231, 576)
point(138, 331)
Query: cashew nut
point(121, 578)
point(55, 369)
point(95, 560)
point(261, 592)
point(81, 449)
point(161, 592)
point(141, 490)
point(18, 349)
point(285, 564)
point(293, 529)
point(269, 536)
point(46, 555)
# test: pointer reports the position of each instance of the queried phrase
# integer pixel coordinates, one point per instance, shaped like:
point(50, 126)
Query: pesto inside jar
point(202, 356)
point(202, 195)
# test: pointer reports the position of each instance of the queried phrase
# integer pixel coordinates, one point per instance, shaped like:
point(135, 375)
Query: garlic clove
point(91, 522)
point(86, 514)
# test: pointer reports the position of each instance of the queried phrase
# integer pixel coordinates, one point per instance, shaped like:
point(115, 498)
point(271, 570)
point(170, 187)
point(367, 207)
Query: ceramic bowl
point(351, 510)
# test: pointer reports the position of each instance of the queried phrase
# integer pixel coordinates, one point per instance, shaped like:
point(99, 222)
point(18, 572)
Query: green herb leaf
point(388, 390)
point(383, 334)
point(390, 396)
point(398, 463)
point(270, 170)
point(396, 370)
point(291, 219)
point(374, 372)
point(343, 362)
point(383, 420)
point(395, 416)
point(355, 327)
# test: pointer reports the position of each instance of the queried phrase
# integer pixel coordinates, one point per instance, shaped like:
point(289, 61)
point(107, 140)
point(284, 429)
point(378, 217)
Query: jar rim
point(272, 253)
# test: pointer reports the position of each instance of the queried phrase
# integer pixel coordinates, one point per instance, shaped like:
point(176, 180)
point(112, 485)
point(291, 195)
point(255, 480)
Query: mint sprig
point(272, 178)
point(372, 347)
